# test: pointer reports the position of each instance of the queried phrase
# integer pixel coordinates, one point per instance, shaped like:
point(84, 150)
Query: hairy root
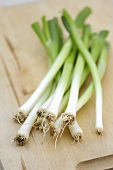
point(50, 117)
point(20, 117)
point(78, 137)
point(55, 134)
point(99, 131)
point(38, 124)
point(41, 112)
point(45, 125)
point(68, 119)
point(20, 140)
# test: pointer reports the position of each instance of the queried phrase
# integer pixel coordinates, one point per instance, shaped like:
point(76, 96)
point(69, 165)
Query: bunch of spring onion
point(55, 102)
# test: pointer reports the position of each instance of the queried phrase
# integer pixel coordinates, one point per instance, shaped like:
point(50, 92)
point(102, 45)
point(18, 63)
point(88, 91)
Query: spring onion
point(56, 100)
point(87, 56)
point(52, 111)
point(23, 134)
point(68, 117)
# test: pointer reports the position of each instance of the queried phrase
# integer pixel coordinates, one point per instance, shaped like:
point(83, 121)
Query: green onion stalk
point(23, 134)
point(87, 56)
point(52, 111)
point(68, 116)
point(98, 41)
point(43, 109)
point(102, 64)
point(84, 98)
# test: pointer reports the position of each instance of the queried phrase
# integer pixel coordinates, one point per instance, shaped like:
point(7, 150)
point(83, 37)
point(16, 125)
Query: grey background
point(15, 2)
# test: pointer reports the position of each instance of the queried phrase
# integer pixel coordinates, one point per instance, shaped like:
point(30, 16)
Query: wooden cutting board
point(23, 63)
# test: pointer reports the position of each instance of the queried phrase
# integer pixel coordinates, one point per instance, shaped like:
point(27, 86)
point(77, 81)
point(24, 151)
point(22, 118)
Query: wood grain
point(23, 64)
point(105, 163)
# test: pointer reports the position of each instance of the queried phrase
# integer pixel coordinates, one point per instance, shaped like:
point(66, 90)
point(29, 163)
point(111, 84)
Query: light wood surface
point(23, 63)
